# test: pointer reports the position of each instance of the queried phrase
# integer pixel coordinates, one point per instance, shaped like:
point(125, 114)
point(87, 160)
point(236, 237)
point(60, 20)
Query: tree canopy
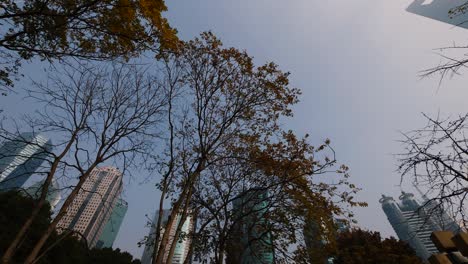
point(84, 29)
point(366, 247)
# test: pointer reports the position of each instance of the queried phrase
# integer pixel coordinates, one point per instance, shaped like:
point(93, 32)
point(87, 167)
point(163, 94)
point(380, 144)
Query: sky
point(358, 64)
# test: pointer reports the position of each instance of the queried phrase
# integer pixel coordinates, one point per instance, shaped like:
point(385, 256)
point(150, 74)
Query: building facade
point(414, 222)
point(440, 10)
point(251, 242)
point(92, 207)
point(20, 158)
point(53, 195)
point(112, 227)
point(182, 246)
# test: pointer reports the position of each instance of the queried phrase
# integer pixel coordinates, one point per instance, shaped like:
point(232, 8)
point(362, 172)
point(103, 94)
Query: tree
point(452, 63)
point(111, 256)
point(15, 205)
point(18, 207)
point(97, 30)
point(225, 139)
point(435, 158)
point(264, 198)
point(362, 247)
point(96, 115)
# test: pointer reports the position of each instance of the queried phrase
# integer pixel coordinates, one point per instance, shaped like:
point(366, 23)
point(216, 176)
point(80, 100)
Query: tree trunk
point(159, 256)
point(9, 253)
point(183, 218)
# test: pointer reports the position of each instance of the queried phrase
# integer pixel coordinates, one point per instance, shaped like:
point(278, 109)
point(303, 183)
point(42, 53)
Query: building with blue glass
point(251, 241)
point(20, 158)
point(440, 10)
point(112, 227)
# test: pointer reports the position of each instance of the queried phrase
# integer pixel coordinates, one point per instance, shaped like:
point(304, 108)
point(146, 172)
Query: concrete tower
point(92, 207)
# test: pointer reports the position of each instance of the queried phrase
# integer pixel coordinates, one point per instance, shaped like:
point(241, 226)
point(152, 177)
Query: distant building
point(111, 229)
point(251, 242)
point(20, 158)
point(439, 10)
point(414, 223)
point(92, 207)
point(53, 195)
point(182, 246)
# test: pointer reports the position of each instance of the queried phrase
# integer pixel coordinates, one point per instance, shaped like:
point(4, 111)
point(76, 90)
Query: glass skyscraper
point(251, 242)
point(439, 10)
point(414, 222)
point(20, 158)
point(111, 229)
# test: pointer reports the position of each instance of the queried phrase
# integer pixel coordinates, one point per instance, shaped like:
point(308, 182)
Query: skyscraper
point(251, 242)
point(182, 246)
point(20, 158)
point(414, 222)
point(112, 227)
point(439, 10)
point(92, 207)
point(53, 195)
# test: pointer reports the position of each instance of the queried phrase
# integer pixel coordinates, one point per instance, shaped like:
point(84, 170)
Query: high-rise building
point(414, 222)
point(111, 229)
point(20, 158)
point(251, 242)
point(92, 207)
point(53, 194)
point(439, 10)
point(182, 245)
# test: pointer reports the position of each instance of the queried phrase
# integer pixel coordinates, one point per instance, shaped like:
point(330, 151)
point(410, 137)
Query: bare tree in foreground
point(436, 158)
point(96, 115)
point(454, 57)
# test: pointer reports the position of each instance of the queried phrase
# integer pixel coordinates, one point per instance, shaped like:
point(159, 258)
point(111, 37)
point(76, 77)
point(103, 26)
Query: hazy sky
point(357, 63)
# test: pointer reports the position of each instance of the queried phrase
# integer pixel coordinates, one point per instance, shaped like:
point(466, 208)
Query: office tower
point(112, 227)
point(439, 10)
point(92, 207)
point(251, 241)
point(20, 158)
point(182, 246)
point(53, 194)
point(414, 223)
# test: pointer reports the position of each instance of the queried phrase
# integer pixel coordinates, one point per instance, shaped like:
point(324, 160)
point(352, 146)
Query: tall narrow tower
point(20, 158)
point(92, 207)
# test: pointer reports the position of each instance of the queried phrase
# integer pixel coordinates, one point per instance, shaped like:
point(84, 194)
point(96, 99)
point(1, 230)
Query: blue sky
point(357, 63)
